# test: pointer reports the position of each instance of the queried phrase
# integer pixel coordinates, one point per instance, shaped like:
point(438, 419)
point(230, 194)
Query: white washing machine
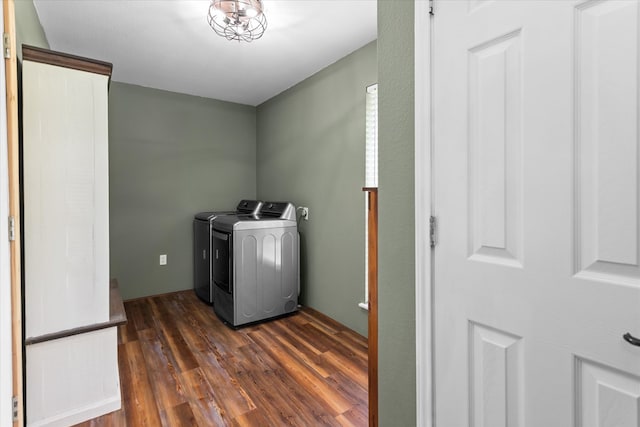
point(256, 264)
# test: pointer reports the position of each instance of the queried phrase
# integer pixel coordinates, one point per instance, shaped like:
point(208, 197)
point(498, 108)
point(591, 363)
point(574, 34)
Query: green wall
point(311, 152)
point(171, 156)
point(397, 361)
point(28, 28)
point(168, 152)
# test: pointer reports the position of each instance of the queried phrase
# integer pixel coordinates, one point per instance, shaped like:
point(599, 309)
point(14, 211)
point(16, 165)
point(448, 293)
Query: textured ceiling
point(168, 44)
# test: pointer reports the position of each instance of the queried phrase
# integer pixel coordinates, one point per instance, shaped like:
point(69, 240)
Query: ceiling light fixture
point(241, 20)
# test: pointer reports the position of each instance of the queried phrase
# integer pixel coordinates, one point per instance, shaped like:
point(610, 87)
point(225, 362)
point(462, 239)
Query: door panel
point(536, 271)
point(496, 377)
point(606, 102)
point(495, 163)
point(606, 396)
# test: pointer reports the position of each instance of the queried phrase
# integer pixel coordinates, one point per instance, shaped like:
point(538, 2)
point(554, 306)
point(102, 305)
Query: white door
point(536, 189)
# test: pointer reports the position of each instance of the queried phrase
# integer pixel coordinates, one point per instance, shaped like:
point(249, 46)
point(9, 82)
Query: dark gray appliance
point(256, 257)
point(202, 239)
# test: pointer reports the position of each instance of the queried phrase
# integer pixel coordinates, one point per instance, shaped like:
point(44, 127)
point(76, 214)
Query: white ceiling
point(168, 44)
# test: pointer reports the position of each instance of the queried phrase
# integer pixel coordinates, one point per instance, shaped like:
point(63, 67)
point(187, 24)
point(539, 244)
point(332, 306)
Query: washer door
point(222, 261)
point(202, 260)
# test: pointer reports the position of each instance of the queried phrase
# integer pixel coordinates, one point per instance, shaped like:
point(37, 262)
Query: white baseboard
point(79, 415)
point(73, 379)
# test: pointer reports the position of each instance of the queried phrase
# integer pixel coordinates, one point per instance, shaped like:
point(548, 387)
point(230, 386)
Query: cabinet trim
point(61, 59)
point(117, 317)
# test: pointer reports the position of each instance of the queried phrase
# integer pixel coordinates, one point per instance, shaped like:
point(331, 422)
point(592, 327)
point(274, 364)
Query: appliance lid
point(208, 216)
point(282, 210)
point(249, 207)
point(229, 223)
point(226, 222)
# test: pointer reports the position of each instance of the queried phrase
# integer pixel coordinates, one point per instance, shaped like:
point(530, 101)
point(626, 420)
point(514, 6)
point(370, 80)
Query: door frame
point(11, 92)
point(6, 363)
point(423, 210)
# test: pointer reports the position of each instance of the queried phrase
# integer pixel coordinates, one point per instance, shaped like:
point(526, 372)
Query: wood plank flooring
point(181, 366)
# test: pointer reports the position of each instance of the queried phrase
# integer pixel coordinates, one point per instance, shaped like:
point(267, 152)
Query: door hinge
point(432, 231)
point(431, 7)
point(14, 408)
point(12, 229)
point(6, 42)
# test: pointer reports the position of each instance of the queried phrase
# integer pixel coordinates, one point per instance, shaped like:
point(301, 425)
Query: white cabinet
point(66, 198)
point(71, 369)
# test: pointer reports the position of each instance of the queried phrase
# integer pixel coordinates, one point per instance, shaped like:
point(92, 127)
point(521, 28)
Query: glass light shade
point(241, 20)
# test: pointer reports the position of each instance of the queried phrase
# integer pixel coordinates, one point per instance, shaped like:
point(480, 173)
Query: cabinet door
point(66, 198)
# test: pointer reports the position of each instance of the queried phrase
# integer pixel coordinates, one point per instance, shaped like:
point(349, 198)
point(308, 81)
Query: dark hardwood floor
point(180, 366)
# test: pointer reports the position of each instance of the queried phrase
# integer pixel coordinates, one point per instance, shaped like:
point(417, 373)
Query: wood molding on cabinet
point(61, 59)
point(117, 317)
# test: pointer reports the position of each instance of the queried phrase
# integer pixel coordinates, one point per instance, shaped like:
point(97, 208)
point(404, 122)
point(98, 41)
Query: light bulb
point(251, 12)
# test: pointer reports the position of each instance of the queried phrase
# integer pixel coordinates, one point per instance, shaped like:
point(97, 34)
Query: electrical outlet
point(304, 213)
point(163, 259)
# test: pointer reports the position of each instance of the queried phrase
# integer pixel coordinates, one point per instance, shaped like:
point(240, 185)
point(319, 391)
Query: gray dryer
point(256, 264)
